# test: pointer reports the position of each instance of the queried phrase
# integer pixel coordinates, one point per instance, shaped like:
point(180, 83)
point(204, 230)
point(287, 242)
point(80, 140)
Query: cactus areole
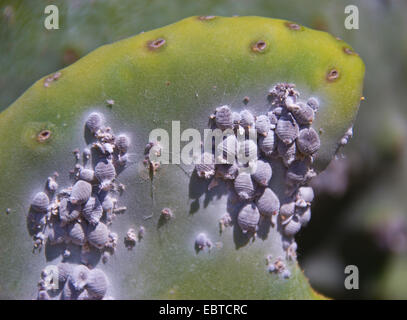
point(294, 90)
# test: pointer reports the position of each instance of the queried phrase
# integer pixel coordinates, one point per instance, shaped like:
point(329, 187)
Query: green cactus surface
point(179, 72)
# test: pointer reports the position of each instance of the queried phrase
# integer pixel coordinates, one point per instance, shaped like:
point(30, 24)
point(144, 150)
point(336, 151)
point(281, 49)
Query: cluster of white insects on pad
point(80, 215)
point(285, 134)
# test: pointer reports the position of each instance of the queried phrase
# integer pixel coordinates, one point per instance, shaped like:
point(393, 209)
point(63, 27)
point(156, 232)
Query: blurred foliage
point(364, 223)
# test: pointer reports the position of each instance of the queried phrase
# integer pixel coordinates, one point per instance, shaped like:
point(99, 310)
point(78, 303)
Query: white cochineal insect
point(287, 129)
point(244, 186)
point(262, 172)
point(105, 172)
point(87, 175)
point(77, 233)
point(263, 125)
point(248, 218)
point(268, 143)
point(202, 241)
point(247, 119)
point(79, 277)
point(224, 118)
point(306, 193)
point(122, 143)
point(40, 202)
point(95, 122)
point(81, 192)
point(268, 203)
point(287, 210)
point(97, 284)
point(303, 113)
point(98, 236)
point(292, 226)
point(308, 141)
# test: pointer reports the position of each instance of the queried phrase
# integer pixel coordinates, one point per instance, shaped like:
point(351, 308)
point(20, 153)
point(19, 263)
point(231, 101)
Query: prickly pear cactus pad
point(91, 210)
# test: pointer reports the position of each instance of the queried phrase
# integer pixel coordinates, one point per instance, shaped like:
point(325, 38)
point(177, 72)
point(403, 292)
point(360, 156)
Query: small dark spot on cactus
point(319, 23)
point(246, 100)
point(259, 46)
point(155, 44)
point(293, 26)
point(43, 136)
point(205, 18)
point(70, 56)
point(349, 51)
point(332, 75)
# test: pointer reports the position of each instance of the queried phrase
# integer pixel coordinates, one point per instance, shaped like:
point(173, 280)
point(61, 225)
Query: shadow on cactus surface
point(180, 72)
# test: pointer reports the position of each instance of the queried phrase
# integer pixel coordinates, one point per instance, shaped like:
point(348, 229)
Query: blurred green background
point(359, 215)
